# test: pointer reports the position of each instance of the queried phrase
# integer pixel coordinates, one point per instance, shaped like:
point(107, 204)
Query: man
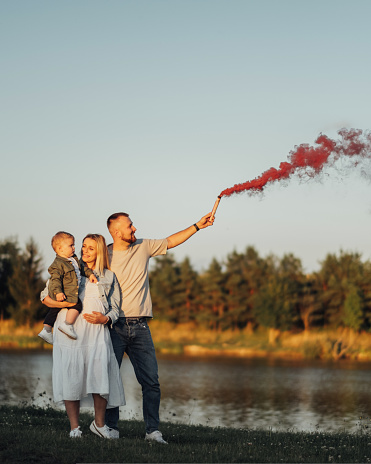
point(129, 260)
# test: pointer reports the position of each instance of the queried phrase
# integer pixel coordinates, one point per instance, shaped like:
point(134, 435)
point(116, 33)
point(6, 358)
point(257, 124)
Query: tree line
point(249, 290)
point(21, 281)
point(245, 290)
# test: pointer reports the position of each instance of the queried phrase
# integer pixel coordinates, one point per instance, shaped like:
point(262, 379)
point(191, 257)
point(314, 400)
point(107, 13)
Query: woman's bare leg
point(73, 412)
point(100, 405)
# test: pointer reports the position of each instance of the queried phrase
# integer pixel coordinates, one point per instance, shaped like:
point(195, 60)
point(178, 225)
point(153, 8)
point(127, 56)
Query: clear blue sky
point(154, 107)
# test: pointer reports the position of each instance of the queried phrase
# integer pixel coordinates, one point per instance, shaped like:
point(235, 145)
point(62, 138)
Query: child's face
point(66, 248)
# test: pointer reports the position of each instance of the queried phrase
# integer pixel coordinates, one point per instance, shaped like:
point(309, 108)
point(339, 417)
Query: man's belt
point(132, 320)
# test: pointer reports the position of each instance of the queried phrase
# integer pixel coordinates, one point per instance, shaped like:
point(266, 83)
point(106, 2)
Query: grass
point(24, 336)
point(34, 435)
point(323, 344)
point(193, 340)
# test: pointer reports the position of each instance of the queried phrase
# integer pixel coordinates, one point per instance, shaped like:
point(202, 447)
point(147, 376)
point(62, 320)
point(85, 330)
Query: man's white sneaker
point(103, 432)
point(114, 433)
point(68, 330)
point(156, 436)
point(46, 336)
point(76, 433)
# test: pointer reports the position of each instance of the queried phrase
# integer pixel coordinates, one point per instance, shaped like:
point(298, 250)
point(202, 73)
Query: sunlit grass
point(192, 339)
point(23, 336)
point(30, 434)
point(315, 344)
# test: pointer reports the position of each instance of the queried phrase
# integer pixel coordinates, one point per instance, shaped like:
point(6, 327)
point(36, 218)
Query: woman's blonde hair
point(102, 261)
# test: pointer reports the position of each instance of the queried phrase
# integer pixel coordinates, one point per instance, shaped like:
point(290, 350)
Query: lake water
point(269, 394)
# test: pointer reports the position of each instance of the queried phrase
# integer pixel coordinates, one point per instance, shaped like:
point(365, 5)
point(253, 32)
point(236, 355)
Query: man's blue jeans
point(134, 338)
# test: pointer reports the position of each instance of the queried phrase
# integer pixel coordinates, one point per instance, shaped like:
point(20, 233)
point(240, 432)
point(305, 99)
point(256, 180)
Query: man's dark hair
point(115, 216)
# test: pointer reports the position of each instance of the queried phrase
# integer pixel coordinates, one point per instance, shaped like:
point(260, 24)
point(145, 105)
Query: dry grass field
point(192, 340)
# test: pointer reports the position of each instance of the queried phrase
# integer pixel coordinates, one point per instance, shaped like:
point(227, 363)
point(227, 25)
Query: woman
point(85, 370)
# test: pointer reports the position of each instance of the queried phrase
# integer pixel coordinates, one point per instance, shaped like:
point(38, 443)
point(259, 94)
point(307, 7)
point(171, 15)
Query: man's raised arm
point(180, 237)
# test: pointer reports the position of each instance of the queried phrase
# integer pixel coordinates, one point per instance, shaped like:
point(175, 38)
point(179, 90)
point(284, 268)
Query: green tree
point(189, 290)
point(276, 304)
point(25, 285)
point(256, 271)
point(213, 296)
point(310, 305)
point(365, 287)
point(9, 251)
point(341, 276)
point(352, 311)
point(245, 274)
point(165, 288)
point(237, 291)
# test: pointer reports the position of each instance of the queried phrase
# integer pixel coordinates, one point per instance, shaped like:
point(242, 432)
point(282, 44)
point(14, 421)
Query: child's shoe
point(68, 330)
point(46, 336)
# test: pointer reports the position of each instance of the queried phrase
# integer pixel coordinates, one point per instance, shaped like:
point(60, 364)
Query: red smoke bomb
point(307, 161)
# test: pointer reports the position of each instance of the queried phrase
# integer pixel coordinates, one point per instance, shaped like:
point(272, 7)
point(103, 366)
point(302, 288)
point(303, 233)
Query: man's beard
point(130, 240)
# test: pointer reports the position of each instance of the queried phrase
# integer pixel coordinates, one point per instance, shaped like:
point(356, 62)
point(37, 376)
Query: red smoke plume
point(309, 161)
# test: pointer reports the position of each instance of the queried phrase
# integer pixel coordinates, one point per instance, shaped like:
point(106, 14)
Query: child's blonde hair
point(58, 239)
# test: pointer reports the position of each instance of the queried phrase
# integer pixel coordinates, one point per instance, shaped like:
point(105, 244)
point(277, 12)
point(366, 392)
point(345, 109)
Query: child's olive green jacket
point(63, 278)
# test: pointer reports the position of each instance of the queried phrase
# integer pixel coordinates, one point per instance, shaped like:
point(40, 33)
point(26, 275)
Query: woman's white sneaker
point(103, 432)
point(76, 433)
point(156, 436)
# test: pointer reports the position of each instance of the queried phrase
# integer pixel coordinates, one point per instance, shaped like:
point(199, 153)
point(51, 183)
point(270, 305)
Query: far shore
point(191, 340)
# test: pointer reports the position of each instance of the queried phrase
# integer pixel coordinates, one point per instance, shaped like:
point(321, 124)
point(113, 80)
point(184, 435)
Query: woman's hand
point(95, 318)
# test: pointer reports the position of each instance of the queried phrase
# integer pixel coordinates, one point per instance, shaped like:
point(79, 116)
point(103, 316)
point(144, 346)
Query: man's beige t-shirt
point(131, 269)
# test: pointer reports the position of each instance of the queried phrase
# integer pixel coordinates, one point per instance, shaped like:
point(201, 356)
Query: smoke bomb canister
point(216, 204)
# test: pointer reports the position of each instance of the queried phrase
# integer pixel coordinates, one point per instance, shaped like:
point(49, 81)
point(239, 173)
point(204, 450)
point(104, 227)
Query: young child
point(65, 276)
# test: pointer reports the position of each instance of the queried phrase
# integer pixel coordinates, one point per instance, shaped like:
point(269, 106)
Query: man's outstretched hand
point(206, 221)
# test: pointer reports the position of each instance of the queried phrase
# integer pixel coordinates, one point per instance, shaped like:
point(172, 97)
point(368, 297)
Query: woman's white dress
point(86, 365)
